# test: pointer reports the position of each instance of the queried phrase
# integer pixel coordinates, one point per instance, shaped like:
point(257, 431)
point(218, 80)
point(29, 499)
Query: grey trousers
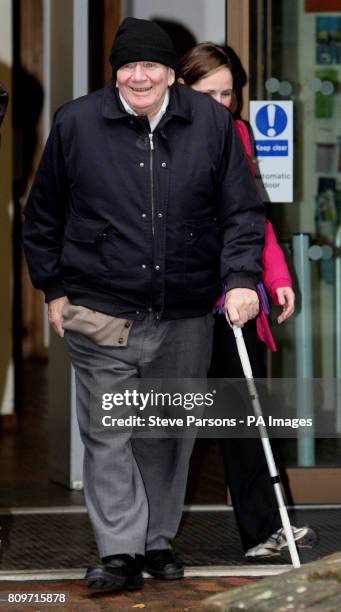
point(134, 488)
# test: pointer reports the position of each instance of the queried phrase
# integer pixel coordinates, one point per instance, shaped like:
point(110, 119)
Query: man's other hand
point(55, 308)
point(241, 305)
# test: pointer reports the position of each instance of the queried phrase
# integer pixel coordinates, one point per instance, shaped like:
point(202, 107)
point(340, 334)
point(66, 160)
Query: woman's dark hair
point(207, 57)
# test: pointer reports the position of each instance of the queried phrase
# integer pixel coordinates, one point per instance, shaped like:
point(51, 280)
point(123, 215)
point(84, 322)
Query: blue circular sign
point(271, 120)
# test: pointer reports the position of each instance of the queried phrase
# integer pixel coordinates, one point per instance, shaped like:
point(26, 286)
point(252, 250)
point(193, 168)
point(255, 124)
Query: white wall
point(6, 177)
point(65, 77)
point(206, 19)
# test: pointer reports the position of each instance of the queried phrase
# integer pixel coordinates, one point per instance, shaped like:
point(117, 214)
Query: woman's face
point(218, 85)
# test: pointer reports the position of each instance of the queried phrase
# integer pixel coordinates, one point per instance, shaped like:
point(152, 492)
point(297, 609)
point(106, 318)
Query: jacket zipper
point(151, 168)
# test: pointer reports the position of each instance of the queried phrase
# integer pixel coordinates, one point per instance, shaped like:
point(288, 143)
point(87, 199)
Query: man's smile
point(141, 89)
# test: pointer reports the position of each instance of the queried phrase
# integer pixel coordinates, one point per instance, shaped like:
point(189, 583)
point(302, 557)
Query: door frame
point(312, 485)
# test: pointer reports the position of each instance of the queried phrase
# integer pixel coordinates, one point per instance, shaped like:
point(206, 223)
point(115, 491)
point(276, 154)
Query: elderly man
point(143, 207)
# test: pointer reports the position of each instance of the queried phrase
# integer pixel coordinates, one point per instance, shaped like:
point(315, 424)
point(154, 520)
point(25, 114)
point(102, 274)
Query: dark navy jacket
point(124, 224)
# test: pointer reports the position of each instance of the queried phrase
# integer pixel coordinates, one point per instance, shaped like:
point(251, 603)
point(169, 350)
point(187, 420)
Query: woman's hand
point(286, 299)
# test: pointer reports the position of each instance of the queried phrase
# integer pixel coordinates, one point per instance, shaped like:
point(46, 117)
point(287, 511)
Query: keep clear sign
point(272, 128)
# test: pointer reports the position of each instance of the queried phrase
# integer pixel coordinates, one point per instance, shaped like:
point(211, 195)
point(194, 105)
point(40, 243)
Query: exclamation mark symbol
point(271, 110)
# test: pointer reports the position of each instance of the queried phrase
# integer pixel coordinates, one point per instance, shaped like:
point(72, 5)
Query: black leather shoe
point(118, 573)
point(163, 564)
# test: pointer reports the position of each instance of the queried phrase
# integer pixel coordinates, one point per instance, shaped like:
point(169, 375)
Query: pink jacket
point(275, 269)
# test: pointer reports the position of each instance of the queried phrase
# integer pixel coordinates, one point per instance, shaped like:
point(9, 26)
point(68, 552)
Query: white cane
point(245, 361)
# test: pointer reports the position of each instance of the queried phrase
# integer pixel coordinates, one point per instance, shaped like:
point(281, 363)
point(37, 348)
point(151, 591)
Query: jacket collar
point(112, 107)
point(179, 103)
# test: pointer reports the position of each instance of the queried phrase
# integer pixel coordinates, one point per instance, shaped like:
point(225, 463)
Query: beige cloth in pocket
point(103, 329)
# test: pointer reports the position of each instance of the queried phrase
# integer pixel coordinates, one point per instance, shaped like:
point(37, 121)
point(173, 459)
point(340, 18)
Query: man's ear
point(171, 76)
point(181, 81)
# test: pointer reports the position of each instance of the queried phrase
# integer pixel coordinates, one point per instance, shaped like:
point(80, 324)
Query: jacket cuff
point(240, 280)
point(53, 291)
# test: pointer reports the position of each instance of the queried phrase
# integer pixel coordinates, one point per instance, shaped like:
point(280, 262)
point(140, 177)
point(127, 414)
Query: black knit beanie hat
point(141, 40)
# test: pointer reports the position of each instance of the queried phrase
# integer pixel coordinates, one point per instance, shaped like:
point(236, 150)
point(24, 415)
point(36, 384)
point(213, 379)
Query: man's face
point(143, 85)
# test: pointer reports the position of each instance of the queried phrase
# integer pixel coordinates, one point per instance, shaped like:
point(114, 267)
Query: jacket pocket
point(81, 258)
point(89, 231)
point(202, 255)
point(101, 328)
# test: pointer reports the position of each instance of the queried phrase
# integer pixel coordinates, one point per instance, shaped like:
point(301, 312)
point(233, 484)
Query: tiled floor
point(157, 596)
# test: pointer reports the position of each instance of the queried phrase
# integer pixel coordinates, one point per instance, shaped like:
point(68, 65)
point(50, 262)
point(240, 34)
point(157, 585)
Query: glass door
point(295, 54)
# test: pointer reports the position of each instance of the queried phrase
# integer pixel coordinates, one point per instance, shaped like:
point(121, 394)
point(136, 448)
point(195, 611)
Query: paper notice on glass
point(272, 129)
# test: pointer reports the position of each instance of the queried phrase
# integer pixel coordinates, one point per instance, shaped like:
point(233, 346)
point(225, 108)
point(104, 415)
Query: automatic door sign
point(272, 128)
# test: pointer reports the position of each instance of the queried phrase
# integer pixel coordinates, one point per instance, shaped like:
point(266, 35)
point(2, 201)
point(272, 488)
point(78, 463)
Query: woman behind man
point(217, 71)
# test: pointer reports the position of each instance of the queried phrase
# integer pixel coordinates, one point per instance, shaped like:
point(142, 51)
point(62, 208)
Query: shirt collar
point(180, 103)
point(152, 122)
